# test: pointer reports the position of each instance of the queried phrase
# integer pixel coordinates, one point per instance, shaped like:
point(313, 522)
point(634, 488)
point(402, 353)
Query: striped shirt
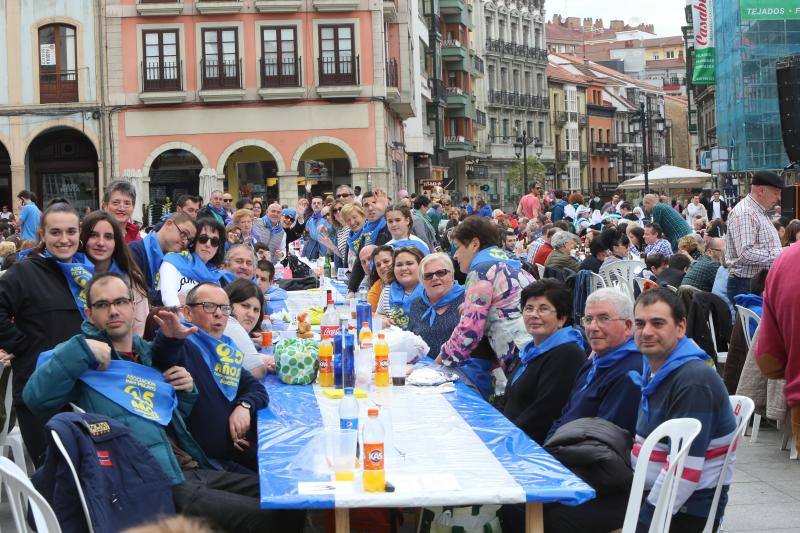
point(752, 243)
point(694, 390)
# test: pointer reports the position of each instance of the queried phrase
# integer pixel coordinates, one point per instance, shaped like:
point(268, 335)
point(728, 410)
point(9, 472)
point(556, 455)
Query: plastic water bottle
point(374, 472)
point(348, 410)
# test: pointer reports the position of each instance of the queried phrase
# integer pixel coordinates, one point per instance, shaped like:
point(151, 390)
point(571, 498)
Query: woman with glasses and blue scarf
point(181, 271)
point(435, 314)
point(490, 332)
point(540, 385)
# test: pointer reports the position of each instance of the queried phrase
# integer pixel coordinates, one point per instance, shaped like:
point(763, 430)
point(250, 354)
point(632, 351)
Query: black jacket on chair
point(697, 328)
point(597, 451)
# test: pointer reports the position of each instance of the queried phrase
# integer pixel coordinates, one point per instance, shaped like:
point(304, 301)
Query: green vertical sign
point(769, 9)
point(703, 23)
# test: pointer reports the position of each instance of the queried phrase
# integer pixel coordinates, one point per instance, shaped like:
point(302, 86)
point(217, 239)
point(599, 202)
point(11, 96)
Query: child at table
point(274, 296)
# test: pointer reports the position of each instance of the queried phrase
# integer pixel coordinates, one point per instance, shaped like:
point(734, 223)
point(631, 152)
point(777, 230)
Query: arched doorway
point(5, 179)
point(173, 173)
point(252, 172)
point(62, 163)
point(322, 168)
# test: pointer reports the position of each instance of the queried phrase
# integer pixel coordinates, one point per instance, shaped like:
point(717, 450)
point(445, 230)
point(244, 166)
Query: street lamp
point(521, 149)
point(643, 121)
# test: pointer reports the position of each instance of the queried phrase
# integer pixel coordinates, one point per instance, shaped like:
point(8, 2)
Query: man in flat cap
point(752, 243)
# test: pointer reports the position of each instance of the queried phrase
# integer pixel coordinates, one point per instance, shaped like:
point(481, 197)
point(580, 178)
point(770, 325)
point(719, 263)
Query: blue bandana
point(450, 296)
point(610, 359)
point(155, 256)
point(136, 388)
point(191, 266)
point(400, 302)
point(78, 272)
point(223, 358)
point(273, 230)
point(369, 233)
point(411, 243)
point(560, 337)
point(493, 255)
point(685, 351)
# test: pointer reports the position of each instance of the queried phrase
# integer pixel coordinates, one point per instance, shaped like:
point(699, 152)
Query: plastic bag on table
point(467, 519)
point(296, 361)
point(405, 341)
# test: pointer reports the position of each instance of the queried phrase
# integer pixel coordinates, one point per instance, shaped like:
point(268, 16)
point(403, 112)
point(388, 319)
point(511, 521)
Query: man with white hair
point(563, 243)
point(602, 389)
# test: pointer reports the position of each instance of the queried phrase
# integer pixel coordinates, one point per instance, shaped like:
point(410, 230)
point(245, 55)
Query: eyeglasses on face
point(602, 320)
point(541, 311)
point(227, 199)
point(443, 273)
point(185, 236)
point(344, 195)
point(203, 239)
point(211, 307)
point(104, 305)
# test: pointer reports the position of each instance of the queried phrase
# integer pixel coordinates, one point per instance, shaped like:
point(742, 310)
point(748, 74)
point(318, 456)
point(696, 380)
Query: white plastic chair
point(621, 274)
point(722, 357)
point(681, 432)
point(597, 282)
point(20, 493)
point(11, 438)
point(540, 269)
point(743, 408)
point(60, 445)
point(745, 315)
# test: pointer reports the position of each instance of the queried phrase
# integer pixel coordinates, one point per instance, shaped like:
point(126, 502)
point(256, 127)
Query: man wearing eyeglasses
point(227, 205)
point(602, 389)
point(703, 271)
point(177, 234)
point(223, 418)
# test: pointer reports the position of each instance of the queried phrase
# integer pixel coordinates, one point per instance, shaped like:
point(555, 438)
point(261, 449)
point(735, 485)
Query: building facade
point(261, 98)
point(747, 110)
point(52, 139)
point(568, 126)
point(517, 101)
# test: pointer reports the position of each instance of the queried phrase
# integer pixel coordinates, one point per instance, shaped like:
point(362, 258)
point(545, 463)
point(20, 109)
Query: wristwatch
point(246, 405)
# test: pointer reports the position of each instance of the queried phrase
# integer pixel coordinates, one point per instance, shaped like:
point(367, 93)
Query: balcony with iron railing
point(162, 77)
point(392, 75)
point(57, 86)
point(480, 118)
point(221, 75)
point(339, 76)
point(673, 82)
point(522, 51)
point(478, 67)
point(514, 99)
point(287, 73)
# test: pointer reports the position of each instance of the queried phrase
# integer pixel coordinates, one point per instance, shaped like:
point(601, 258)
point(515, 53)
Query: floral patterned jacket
point(491, 309)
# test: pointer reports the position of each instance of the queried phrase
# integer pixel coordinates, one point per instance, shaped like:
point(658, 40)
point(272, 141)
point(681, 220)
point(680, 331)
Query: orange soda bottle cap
point(381, 336)
point(372, 412)
point(364, 325)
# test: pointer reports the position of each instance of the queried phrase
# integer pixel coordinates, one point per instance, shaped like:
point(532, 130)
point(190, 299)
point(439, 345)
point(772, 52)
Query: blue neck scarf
point(219, 212)
point(138, 389)
point(78, 272)
point(274, 230)
point(412, 243)
point(316, 216)
point(371, 230)
point(226, 277)
point(610, 359)
point(493, 255)
point(400, 302)
point(191, 266)
point(450, 296)
point(685, 351)
point(155, 256)
point(223, 358)
point(560, 337)
point(353, 240)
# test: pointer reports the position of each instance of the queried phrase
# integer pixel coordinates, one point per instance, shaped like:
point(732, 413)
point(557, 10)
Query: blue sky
point(666, 15)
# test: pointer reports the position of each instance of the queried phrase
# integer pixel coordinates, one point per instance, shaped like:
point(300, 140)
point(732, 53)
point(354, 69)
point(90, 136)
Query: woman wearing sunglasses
point(181, 271)
point(435, 314)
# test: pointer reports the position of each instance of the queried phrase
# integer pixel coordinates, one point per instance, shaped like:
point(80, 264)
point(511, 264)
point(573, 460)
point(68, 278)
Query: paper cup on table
point(342, 445)
point(397, 367)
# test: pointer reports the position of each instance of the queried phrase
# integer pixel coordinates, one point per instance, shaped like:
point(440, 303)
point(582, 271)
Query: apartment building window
point(529, 128)
point(490, 75)
point(162, 67)
point(594, 174)
point(602, 174)
point(515, 78)
point(221, 68)
point(591, 135)
point(528, 81)
point(503, 79)
point(608, 135)
point(513, 36)
point(571, 99)
point(656, 56)
point(670, 54)
point(517, 127)
point(537, 39)
point(58, 71)
point(526, 34)
point(505, 129)
point(489, 27)
point(541, 133)
point(337, 62)
point(600, 136)
point(540, 83)
point(280, 65)
point(574, 178)
point(501, 30)
point(492, 128)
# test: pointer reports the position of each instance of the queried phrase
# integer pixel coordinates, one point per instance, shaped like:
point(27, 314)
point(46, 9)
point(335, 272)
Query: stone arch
point(351, 155)
point(173, 146)
point(271, 150)
point(62, 123)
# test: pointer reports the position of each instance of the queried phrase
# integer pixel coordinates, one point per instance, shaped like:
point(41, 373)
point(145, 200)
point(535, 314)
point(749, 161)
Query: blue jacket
point(55, 384)
point(121, 480)
point(313, 249)
point(486, 211)
point(558, 210)
point(208, 421)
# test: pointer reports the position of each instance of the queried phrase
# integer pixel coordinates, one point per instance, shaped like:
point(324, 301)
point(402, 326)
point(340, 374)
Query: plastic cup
point(342, 445)
point(397, 367)
point(377, 326)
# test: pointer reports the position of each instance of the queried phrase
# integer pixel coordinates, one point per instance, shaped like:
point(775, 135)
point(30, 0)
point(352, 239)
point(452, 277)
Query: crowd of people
point(499, 298)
